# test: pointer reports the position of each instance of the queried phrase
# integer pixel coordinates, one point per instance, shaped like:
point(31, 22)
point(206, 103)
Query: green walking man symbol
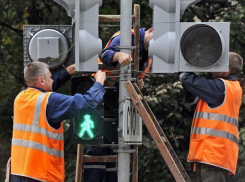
point(87, 125)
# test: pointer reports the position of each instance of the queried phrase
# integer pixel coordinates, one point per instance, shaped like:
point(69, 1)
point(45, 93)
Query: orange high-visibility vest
point(214, 132)
point(148, 66)
point(37, 148)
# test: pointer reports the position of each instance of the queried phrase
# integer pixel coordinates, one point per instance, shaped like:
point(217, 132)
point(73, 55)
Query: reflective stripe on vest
point(215, 116)
point(38, 146)
point(38, 130)
point(214, 132)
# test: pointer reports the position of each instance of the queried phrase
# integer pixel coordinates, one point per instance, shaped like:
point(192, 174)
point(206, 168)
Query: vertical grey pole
point(125, 74)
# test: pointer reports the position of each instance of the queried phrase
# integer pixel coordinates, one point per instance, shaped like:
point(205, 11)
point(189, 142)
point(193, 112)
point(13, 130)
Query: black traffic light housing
point(105, 116)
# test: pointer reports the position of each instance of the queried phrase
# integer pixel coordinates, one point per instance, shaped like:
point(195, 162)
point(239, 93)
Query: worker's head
point(235, 66)
point(235, 63)
point(37, 74)
point(148, 37)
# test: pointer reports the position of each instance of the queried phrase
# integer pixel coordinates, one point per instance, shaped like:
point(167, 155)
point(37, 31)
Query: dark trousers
point(209, 173)
point(100, 171)
point(15, 178)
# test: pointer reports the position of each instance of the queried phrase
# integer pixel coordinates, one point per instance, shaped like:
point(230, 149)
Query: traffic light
point(88, 46)
point(85, 27)
point(193, 47)
point(98, 126)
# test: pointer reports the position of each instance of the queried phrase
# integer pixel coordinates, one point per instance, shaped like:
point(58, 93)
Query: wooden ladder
point(157, 133)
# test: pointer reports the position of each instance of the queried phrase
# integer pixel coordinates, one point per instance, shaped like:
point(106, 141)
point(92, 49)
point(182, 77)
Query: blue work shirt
point(61, 107)
point(108, 53)
point(211, 91)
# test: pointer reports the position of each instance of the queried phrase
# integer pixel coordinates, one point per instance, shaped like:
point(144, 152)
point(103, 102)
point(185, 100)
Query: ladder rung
point(106, 158)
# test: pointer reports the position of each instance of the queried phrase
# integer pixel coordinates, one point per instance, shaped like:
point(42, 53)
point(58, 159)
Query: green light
point(85, 127)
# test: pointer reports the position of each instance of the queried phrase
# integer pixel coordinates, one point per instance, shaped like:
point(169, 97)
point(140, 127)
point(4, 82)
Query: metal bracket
point(124, 150)
point(123, 99)
point(126, 47)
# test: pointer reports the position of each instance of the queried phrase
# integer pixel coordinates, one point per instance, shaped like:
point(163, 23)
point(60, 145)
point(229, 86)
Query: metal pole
point(125, 74)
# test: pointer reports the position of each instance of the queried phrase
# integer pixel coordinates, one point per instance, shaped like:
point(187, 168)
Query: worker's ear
point(41, 80)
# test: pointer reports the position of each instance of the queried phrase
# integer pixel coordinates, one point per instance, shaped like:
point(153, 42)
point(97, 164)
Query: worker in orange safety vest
point(37, 152)
point(214, 132)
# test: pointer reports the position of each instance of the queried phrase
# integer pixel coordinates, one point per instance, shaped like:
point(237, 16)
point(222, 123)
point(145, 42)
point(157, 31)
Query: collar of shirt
point(231, 78)
point(37, 88)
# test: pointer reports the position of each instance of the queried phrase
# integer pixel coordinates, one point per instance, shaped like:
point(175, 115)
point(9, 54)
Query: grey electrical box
point(52, 44)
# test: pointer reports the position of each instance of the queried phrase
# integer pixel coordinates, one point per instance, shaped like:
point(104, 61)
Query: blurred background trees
point(163, 92)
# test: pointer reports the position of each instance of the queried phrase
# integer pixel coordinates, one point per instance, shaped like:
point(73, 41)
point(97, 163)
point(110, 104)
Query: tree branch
point(47, 6)
point(198, 15)
point(18, 31)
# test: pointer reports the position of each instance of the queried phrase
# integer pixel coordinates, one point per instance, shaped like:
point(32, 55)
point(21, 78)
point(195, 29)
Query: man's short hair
point(235, 63)
point(33, 71)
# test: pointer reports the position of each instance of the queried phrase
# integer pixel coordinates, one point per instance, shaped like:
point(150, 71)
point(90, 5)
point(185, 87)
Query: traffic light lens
point(201, 46)
point(86, 128)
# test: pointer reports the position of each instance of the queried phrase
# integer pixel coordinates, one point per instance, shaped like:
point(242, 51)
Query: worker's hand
point(123, 58)
point(100, 77)
point(71, 69)
point(140, 83)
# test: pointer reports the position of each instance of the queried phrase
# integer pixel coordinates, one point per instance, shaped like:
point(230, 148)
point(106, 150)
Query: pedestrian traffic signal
point(85, 127)
point(97, 126)
point(182, 47)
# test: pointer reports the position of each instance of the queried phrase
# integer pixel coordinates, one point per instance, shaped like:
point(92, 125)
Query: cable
point(62, 53)
point(112, 80)
point(141, 72)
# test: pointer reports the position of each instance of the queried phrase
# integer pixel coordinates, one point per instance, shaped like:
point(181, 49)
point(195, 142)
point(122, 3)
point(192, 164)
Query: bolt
point(137, 103)
point(119, 129)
